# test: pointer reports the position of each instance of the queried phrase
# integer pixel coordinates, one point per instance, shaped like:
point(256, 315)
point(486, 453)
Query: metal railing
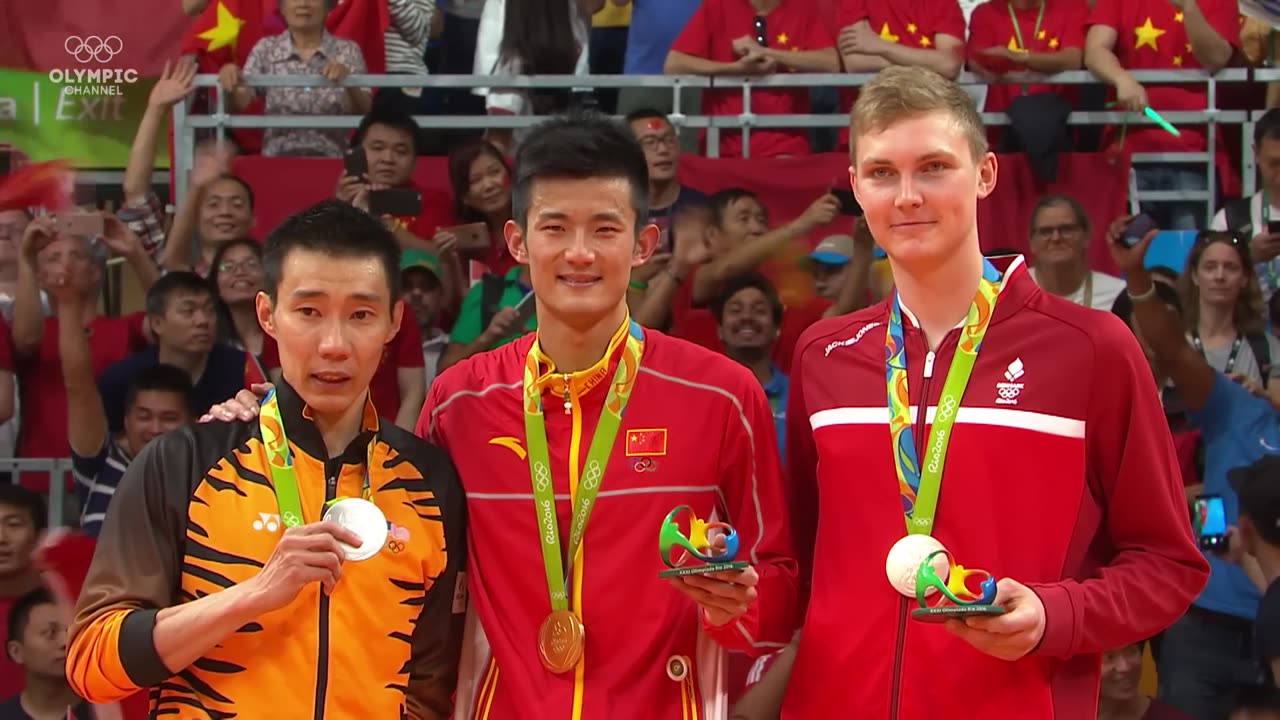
point(186, 123)
point(59, 472)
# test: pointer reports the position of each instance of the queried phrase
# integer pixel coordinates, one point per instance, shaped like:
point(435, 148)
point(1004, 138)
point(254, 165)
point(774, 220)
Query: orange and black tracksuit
point(196, 513)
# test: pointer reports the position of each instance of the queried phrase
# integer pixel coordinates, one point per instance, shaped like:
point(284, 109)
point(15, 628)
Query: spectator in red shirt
point(480, 178)
point(875, 34)
point(22, 520)
point(755, 37)
point(43, 429)
point(1126, 35)
point(1047, 38)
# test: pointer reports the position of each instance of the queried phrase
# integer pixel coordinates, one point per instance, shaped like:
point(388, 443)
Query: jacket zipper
point(922, 414)
point(332, 468)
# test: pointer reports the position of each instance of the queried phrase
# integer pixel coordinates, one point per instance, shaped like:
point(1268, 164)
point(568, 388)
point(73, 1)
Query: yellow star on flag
point(925, 41)
point(1177, 60)
point(1013, 44)
point(782, 38)
point(911, 28)
point(1041, 35)
point(1146, 34)
point(1053, 43)
point(1177, 17)
point(225, 30)
point(886, 35)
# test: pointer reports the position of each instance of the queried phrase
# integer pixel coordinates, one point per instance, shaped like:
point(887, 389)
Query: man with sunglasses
point(756, 37)
point(1205, 653)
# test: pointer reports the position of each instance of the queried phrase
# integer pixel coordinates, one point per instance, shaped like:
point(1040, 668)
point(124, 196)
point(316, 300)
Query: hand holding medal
point(721, 586)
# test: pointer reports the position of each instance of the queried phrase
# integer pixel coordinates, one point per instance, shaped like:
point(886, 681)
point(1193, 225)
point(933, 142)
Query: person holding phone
point(1257, 217)
point(985, 372)
point(1204, 654)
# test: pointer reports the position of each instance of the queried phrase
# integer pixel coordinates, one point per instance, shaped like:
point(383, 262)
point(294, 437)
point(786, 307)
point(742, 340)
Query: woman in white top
point(1226, 320)
point(547, 37)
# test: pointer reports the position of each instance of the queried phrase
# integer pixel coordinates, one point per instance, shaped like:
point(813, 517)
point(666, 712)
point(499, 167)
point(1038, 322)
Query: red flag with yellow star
point(226, 31)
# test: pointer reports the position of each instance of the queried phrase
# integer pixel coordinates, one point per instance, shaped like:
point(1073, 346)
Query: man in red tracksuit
point(1043, 435)
point(573, 445)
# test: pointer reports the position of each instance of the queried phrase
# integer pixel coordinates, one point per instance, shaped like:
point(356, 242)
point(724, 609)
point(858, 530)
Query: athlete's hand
point(305, 554)
point(724, 596)
point(244, 406)
point(1011, 635)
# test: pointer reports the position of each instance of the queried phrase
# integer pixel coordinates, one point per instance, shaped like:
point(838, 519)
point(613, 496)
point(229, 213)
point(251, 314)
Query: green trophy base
point(958, 612)
point(702, 569)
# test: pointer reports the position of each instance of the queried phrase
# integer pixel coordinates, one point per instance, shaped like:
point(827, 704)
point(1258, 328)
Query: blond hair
point(901, 92)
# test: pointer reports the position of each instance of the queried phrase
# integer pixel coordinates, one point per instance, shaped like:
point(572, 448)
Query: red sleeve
point(6, 346)
point(695, 39)
point(406, 346)
point(270, 357)
point(1131, 464)
point(948, 19)
point(1105, 12)
point(1224, 18)
point(137, 331)
point(1075, 16)
point(983, 28)
point(802, 476)
point(757, 511)
point(850, 12)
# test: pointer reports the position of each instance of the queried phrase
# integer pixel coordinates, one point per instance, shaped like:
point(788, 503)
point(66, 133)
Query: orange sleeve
point(134, 573)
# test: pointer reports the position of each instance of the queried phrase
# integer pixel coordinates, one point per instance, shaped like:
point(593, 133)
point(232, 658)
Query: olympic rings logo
point(643, 464)
point(93, 47)
point(1009, 392)
point(541, 476)
point(395, 546)
point(591, 480)
point(947, 407)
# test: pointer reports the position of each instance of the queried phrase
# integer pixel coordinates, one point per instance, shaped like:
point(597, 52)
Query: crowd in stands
point(76, 382)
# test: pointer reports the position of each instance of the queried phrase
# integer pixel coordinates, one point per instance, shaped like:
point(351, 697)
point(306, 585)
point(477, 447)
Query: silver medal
point(364, 519)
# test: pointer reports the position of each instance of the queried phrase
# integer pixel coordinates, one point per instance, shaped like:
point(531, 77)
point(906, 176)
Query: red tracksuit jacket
point(704, 438)
point(1060, 474)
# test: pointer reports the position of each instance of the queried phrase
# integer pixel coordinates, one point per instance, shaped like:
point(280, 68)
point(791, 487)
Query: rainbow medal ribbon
point(919, 484)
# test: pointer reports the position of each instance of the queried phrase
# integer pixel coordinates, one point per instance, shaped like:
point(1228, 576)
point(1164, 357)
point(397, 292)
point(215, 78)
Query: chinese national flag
point(227, 30)
point(647, 443)
point(365, 23)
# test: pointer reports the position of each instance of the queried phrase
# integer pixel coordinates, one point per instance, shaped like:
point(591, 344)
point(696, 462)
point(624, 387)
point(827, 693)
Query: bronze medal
point(560, 641)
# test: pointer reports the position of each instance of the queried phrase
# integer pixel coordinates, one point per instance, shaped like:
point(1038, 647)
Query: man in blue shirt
point(181, 312)
point(654, 27)
point(749, 314)
point(1206, 653)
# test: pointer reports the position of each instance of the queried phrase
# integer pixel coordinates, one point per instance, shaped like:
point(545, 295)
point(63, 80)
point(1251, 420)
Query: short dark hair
point(163, 378)
point(1165, 293)
point(20, 613)
point(647, 114)
point(392, 118)
point(1268, 127)
point(17, 496)
point(580, 145)
point(721, 201)
point(737, 284)
point(173, 283)
point(333, 228)
point(248, 191)
point(1257, 488)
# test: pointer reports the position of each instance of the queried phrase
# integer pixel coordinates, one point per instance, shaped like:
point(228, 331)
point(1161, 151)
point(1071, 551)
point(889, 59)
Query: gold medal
point(560, 641)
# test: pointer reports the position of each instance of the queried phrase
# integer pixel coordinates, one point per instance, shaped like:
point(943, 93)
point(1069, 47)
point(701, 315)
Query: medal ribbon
point(284, 479)
point(1017, 30)
point(920, 485)
point(535, 428)
point(1231, 356)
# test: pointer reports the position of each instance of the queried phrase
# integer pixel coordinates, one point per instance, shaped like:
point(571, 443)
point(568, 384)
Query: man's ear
point(646, 244)
point(397, 315)
point(514, 237)
point(263, 305)
point(987, 171)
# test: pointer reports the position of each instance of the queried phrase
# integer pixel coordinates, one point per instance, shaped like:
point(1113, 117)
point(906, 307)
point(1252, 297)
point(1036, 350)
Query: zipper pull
point(568, 405)
point(928, 364)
